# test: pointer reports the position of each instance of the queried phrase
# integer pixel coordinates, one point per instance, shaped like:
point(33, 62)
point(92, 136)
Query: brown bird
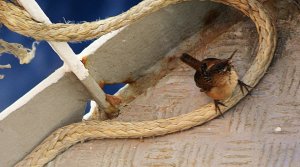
point(216, 77)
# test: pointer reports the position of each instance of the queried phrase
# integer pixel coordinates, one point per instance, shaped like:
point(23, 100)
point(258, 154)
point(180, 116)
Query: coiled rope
point(20, 21)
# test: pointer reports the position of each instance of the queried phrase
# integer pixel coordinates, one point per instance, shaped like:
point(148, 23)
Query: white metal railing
point(70, 59)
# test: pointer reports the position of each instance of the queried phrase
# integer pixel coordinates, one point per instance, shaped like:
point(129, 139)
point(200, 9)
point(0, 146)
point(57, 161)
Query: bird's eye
point(203, 67)
point(227, 68)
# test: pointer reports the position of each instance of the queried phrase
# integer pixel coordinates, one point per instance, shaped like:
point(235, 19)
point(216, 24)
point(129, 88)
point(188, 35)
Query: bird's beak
point(233, 53)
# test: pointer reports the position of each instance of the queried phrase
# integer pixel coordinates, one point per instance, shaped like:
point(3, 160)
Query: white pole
point(66, 53)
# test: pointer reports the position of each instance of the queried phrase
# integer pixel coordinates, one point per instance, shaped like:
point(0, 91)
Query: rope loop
point(18, 20)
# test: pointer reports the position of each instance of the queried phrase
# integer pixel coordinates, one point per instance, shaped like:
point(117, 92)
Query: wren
point(215, 77)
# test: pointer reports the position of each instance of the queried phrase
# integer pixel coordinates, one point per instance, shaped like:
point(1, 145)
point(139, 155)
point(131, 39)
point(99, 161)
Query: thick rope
point(67, 136)
point(18, 20)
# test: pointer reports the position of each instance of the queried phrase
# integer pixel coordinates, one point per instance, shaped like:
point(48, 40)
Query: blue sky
point(21, 78)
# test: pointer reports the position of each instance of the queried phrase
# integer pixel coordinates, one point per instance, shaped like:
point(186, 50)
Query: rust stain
point(101, 84)
point(113, 100)
point(129, 80)
point(84, 60)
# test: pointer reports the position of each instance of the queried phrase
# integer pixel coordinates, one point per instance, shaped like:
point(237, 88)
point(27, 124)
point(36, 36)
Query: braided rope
point(20, 21)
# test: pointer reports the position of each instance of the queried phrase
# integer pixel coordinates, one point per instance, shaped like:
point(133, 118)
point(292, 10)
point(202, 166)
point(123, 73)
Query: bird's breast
point(225, 86)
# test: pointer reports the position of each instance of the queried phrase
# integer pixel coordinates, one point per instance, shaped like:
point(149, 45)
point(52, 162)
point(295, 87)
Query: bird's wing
point(221, 66)
point(202, 81)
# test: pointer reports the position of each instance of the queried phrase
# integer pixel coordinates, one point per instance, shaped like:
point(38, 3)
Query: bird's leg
point(217, 103)
point(243, 85)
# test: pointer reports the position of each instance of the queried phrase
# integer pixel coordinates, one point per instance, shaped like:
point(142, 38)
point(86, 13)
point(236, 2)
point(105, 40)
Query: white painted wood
point(94, 46)
point(57, 101)
point(53, 78)
point(61, 48)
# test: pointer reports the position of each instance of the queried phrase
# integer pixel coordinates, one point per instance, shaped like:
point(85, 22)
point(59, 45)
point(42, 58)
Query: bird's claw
point(243, 85)
point(217, 103)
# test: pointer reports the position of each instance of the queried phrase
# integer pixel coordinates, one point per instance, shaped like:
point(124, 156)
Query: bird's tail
point(191, 61)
